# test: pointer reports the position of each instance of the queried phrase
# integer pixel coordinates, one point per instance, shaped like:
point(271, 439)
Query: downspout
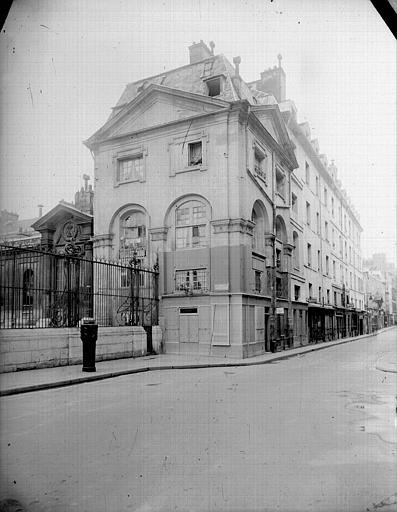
point(321, 257)
point(228, 216)
point(274, 275)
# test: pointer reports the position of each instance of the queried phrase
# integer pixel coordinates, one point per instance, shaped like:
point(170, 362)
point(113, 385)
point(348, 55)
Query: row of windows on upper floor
point(345, 276)
point(339, 299)
point(192, 155)
point(344, 222)
point(326, 233)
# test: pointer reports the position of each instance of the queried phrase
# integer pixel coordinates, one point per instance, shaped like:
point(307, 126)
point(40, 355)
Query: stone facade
point(205, 175)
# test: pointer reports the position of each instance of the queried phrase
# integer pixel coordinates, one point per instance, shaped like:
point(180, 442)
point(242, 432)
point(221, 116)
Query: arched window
point(133, 235)
point(259, 218)
point(281, 232)
point(27, 292)
point(191, 220)
point(296, 250)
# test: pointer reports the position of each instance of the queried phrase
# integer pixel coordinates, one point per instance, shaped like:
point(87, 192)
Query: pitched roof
point(191, 78)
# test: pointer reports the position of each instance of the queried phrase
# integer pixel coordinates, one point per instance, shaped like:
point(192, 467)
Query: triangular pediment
point(268, 122)
point(61, 213)
point(156, 106)
point(270, 117)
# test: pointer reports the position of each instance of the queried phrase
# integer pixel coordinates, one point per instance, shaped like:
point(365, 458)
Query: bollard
point(89, 335)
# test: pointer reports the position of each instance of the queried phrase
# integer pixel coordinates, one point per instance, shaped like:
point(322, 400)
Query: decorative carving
point(72, 249)
point(70, 231)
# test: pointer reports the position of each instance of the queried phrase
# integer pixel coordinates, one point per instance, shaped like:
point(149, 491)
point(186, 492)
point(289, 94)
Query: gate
point(45, 289)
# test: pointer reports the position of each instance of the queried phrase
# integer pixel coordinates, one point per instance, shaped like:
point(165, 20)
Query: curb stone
point(188, 366)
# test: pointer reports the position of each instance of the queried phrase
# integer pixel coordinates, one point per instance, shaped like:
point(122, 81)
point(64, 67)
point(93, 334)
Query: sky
point(65, 63)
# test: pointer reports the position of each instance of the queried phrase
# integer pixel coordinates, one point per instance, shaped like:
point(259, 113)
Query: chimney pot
point(237, 61)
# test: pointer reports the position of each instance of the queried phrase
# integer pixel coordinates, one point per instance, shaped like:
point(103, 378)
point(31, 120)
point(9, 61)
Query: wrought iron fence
point(45, 289)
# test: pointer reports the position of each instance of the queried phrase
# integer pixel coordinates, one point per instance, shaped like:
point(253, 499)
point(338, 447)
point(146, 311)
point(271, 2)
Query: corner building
point(196, 172)
point(193, 174)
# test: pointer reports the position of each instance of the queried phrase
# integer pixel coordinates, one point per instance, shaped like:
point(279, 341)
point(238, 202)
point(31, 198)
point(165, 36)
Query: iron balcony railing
point(44, 289)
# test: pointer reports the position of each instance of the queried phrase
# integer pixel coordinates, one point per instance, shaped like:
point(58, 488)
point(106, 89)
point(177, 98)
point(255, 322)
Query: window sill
point(191, 248)
point(118, 183)
point(191, 168)
point(258, 254)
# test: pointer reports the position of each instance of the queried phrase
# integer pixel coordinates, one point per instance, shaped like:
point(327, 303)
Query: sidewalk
point(34, 380)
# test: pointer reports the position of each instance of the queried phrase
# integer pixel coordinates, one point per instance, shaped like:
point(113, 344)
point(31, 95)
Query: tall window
point(309, 255)
point(195, 153)
point(259, 218)
point(325, 196)
point(317, 186)
point(332, 206)
point(308, 214)
point(318, 260)
point(307, 173)
point(296, 249)
point(327, 265)
point(280, 182)
point(326, 230)
point(258, 281)
point(260, 164)
point(133, 235)
point(294, 203)
point(318, 223)
point(130, 169)
point(191, 225)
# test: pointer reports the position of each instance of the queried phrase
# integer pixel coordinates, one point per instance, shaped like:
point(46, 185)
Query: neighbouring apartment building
point(380, 278)
point(215, 181)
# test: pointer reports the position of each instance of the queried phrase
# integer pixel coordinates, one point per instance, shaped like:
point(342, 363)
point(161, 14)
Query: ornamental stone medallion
point(70, 231)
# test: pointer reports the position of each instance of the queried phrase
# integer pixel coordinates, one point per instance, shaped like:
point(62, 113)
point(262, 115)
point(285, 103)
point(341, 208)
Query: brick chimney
point(83, 199)
point(199, 51)
point(273, 81)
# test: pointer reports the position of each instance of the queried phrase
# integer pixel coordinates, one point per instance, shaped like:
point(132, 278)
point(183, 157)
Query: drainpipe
point(228, 214)
point(272, 319)
point(321, 256)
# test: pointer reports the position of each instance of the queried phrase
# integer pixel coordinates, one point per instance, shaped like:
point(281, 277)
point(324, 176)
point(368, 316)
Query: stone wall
point(23, 349)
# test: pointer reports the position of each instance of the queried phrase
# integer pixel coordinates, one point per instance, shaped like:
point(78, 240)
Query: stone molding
point(158, 234)
point(269, 239)
point(288, 249)
point(233, 226)
point(104, 240)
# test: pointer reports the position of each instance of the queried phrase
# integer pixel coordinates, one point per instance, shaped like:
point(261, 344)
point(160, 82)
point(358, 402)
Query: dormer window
point(214, 86)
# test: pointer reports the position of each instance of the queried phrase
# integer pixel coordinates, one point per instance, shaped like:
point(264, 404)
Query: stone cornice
point(158, 234)
point(233, 226)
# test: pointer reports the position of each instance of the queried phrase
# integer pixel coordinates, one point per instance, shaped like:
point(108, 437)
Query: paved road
point(311, 433)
